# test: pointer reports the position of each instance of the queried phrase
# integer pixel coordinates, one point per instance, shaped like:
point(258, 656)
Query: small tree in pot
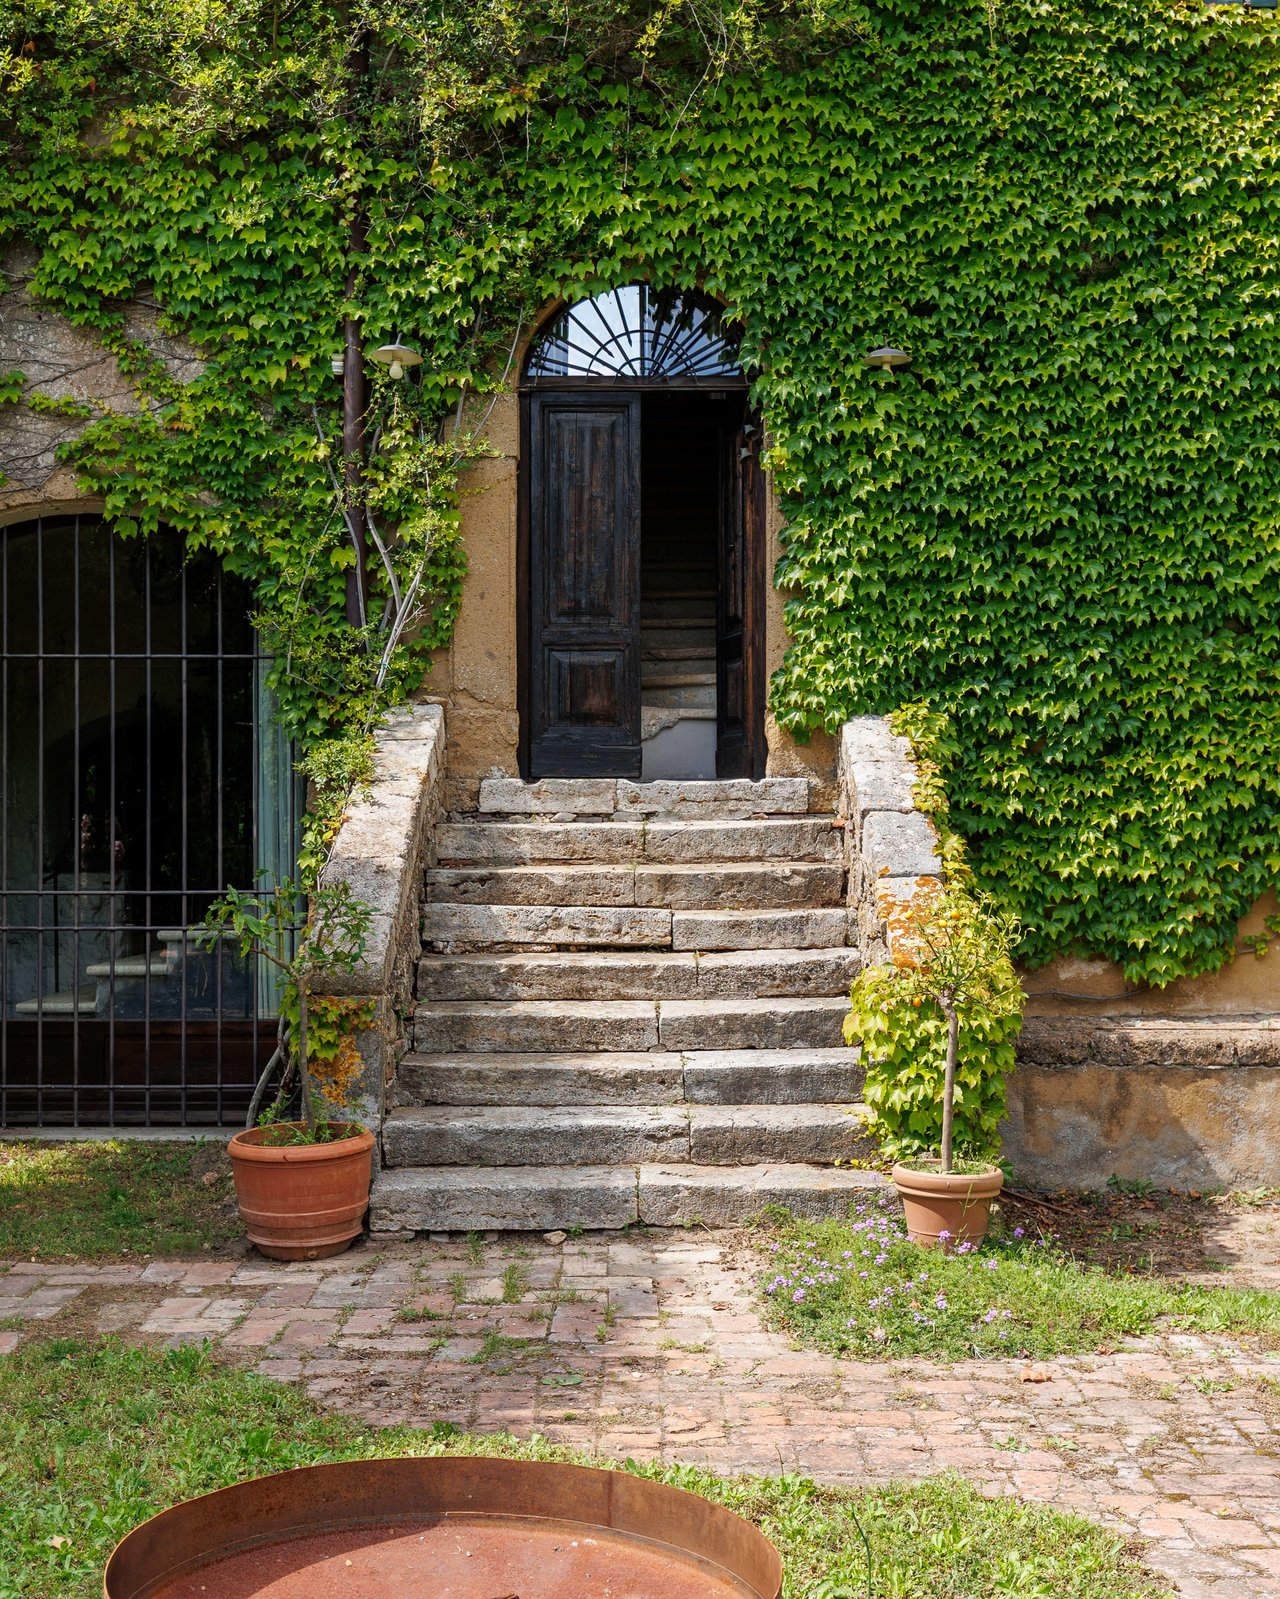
point(937, 1025)
point(302, 1186)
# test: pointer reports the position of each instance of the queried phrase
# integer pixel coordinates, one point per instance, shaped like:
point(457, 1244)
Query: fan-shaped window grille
point(638, 335)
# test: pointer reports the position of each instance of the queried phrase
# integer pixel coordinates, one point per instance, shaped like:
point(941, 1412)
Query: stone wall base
point(1185, 1103)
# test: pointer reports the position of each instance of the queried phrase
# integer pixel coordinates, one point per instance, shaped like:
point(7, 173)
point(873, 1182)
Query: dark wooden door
point(740, 690)
point(582, 695)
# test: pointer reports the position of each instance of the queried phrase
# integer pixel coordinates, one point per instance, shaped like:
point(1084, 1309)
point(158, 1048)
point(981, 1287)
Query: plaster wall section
point(62, 362)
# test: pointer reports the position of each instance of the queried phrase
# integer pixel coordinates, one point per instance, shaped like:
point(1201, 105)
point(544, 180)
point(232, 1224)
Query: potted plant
point(950, 983)
point(302, 1185)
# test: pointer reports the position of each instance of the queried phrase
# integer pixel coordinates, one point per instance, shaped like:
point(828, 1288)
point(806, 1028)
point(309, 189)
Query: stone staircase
point(630, 1009)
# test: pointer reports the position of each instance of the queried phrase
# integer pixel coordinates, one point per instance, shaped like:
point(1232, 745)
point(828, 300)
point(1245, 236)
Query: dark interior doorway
point(137, 780)
point(641, 555)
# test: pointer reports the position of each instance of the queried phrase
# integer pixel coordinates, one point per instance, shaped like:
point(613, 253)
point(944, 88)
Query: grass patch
point(860, 1288)
point(92, 1200)
point(95, 1437)
point(515, 1283)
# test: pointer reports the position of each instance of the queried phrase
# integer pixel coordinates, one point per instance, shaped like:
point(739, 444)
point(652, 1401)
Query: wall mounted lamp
point(397, 356)
point(886, 358)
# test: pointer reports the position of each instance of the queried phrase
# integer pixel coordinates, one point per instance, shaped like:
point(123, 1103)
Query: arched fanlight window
point(638, 335)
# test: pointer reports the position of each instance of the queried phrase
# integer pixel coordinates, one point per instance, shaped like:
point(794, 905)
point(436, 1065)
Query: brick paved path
point(648, 1345)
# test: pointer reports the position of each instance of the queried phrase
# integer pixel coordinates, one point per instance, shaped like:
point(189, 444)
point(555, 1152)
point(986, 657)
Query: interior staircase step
point(609, 1135)
point(81, 1001)
point(697, 607)
point(658, 677)
point(636, 974)
point(133, 967)
point(684, 697)
point(672, 1194)
point(491, 843)
point(531, 1026)
point(653, 1077)
point(680, 886)
point(726, 800)
point(686, 635)
point(759, 929)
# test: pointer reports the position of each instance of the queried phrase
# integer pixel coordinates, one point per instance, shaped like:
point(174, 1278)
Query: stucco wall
point(63, 362)
point(1250, 984)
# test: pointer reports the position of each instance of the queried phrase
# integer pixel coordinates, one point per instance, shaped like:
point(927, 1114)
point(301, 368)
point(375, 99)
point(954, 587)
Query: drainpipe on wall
point(355, 396)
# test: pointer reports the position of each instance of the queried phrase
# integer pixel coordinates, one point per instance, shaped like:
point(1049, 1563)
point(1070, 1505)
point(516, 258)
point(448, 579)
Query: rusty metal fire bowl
point(460, 1528)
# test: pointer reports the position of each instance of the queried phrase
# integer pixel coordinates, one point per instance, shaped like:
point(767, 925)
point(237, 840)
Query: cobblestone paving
point(649, 1345)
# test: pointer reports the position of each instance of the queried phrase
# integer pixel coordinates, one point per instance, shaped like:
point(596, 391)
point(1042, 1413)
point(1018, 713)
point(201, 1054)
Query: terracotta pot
point(959, 1205)
point(302, 1201)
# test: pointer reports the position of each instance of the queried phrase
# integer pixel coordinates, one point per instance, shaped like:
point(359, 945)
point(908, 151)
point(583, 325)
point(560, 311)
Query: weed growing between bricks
point(860, 1288)
point(96, 1436)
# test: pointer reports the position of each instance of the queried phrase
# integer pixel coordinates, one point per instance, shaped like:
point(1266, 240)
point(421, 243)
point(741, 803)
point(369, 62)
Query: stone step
point(684, 697)
point(683, 633)
point(619, 1135)
point(536, 1198)
point(479, 926)
point(737, 797)
point(767, 885)
point(601, 1077)
point(610, 974)
point(659, 678)
point(699, 608)
point(654, 1077)
point(547, 1026)
point(788, 838)
point(759, 929)
point(690, 652)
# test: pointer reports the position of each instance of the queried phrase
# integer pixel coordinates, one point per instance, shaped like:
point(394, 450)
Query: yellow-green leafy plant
point(314, 1039)
point(937, 1023)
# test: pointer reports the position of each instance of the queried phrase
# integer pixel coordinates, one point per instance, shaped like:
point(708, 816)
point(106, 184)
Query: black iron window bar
point(131, 794)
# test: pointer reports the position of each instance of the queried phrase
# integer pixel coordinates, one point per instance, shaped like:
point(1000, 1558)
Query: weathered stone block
point(598, 1078)
point(535, 1026)
point(534, 885)
point(773, 1076)
point(896, 845)
point(534, 1135)
point(679, 1196)
point(738, 797)
point(765, 885)
point(525, 843)
point(461, 925)
point(736, 1135)
point(530, 1199)
point(751, 1023)
point(762, 929)
point(595, 974)
point(787, 838)
point(581, 796)
point(764, 974)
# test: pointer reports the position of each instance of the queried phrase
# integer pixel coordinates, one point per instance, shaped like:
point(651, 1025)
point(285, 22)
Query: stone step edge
point(607, 1198)
point(747, 1077)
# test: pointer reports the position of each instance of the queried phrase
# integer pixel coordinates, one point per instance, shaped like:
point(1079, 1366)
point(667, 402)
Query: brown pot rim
point(936, 1183)
point(247, 1145)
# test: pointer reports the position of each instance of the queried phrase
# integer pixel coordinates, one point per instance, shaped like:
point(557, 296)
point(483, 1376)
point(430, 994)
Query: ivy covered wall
point(1058, 529)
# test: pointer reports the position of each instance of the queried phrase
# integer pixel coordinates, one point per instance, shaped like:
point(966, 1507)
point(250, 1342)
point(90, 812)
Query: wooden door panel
point(740, 690)
point(583, 486)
